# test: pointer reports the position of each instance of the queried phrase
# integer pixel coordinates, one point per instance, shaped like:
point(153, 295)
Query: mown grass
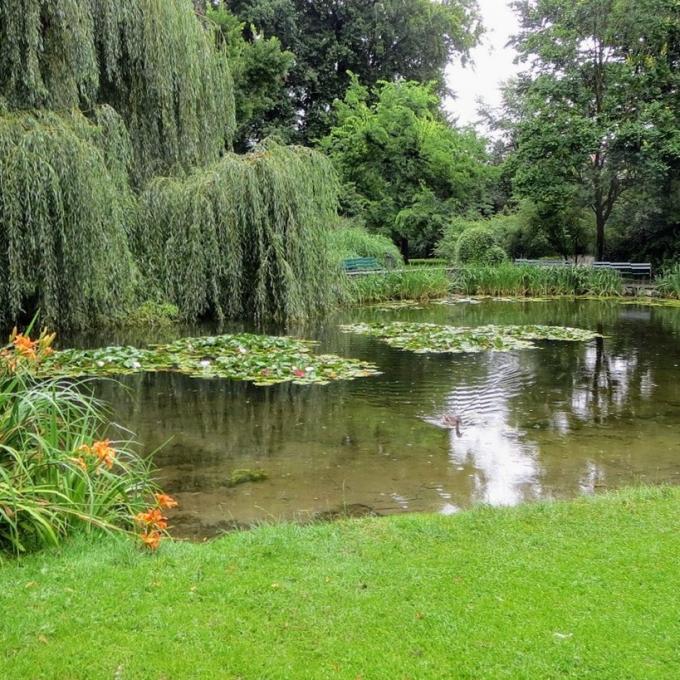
point(405, 284)
point(582, 589)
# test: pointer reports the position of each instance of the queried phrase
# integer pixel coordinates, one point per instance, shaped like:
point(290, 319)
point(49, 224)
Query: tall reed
point(668, 284)
point(410, 284)
point(524, 280)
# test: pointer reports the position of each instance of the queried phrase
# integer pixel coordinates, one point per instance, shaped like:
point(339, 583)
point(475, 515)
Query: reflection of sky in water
point(505, 467)
point(506, 470)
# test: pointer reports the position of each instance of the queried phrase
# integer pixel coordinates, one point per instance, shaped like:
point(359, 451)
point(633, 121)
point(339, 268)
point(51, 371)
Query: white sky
point(493, 63)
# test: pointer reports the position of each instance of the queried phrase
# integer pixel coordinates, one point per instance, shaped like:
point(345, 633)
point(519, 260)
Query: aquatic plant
point(243, 237)
point(668, 283)
point(435, 338)
point(525, 280)
point(57, 473)
point(151, 60)
point(405, 284)
point(64, 209)
point(261, 359)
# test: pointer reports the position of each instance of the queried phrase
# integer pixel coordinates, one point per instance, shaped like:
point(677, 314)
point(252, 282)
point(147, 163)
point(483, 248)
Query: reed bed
point(527, 281)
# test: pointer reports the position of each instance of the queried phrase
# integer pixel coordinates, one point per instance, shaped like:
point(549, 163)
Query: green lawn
point(589, 588)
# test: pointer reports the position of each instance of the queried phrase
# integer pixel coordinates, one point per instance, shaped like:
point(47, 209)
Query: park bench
point(627, 268)
point(544, 263)
point(356, 265)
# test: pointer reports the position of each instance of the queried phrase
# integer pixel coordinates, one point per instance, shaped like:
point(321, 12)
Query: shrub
point(495, 256)
point(474, 245)
point(347, 242)
point(56, 472)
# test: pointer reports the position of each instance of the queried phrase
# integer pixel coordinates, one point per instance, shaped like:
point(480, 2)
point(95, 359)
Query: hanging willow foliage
point(151, 60)
point(64, 207)
point(246, 236)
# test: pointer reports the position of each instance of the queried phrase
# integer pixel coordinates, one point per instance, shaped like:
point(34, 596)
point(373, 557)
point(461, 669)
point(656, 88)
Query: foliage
point(477, 245)
point(347, 241)
point(668, 283)
point(65, 210)
point(404, 167)
point(151, 60)
point(246, 236)
point(597, 111)
point(526, 280)
point(435, 338)
point(406, 284)
point(56, 475)
point(150, 313)
point(261, 359)
point(410, 39)
point(260, 69)
point(427, 262)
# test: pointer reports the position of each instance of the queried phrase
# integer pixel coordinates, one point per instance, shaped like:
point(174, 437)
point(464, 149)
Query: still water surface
point(558, 421)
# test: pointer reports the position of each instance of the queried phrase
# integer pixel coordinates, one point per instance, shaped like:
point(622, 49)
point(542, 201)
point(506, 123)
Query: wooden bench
point(356, 265)
point(627, 268)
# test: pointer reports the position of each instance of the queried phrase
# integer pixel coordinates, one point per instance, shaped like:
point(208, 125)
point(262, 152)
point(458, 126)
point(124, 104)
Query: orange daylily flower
point(80, 462)
point(165, 501)
point(151, 539)
point(103, 450)
point(25, 346)
point(152, 518)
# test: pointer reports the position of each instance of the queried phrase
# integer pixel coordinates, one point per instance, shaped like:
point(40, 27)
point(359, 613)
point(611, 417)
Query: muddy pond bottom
point(556, 421)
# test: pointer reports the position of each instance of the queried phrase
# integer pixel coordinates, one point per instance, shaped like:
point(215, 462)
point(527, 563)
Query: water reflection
point(559, 420)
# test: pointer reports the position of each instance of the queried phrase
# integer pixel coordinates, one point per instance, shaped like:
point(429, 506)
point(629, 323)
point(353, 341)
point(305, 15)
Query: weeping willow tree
point(65, 209)
point(97, 99)
point(151, 60)
point(246, 236)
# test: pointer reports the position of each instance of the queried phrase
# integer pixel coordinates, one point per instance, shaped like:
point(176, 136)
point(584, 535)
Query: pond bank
point(568, 589)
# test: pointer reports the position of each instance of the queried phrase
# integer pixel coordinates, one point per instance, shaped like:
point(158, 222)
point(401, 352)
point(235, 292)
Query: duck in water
point(452, 422)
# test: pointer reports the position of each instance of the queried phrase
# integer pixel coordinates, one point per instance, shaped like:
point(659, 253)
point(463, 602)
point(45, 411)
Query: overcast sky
point(493, 63)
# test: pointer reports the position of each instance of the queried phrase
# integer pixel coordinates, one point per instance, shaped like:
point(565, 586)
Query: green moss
point(243, 476)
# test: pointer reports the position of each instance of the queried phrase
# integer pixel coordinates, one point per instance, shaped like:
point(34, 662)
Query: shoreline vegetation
point(580, 588)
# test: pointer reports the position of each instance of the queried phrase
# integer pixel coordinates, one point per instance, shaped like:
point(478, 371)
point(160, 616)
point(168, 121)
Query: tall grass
point(56, 475)
point(415, 284)
point(668, 284)
point(528, 281)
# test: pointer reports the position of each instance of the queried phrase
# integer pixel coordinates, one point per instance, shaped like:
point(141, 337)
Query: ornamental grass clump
point(57, 475)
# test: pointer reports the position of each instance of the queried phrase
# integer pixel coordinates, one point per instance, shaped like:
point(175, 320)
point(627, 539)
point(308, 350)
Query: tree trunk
point(599, 226)
point(403, 246)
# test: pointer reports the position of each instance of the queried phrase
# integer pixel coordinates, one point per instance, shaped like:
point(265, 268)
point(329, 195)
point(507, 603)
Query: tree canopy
point(598, 106)
point(405, 169)
point(410, 39)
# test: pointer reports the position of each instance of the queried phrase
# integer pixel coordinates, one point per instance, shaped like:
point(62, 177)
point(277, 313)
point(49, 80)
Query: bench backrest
point(355, 264)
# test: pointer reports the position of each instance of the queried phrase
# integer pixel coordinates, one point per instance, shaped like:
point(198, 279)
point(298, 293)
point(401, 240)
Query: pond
point(558, 420)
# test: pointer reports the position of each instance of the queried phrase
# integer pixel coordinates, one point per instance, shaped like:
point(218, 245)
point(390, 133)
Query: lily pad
point(261, 359)
point(435, 338)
